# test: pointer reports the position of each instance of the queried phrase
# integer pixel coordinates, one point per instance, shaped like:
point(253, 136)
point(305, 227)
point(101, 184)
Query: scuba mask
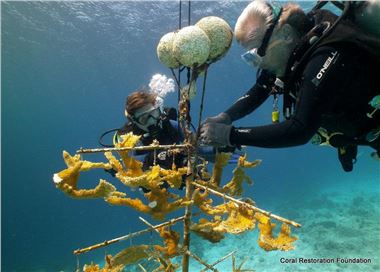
point(149, 119)
point(252, 58)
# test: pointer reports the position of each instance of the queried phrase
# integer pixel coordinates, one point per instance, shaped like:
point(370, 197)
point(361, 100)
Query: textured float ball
point(165, 51)
point(191, 46)
point(219, 33)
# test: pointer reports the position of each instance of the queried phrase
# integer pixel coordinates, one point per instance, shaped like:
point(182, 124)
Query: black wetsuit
point(333, 90)
point(169, 134)
point(337, 102)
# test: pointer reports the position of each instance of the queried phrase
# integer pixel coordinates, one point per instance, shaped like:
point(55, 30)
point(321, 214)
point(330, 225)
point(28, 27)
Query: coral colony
point(210, 222)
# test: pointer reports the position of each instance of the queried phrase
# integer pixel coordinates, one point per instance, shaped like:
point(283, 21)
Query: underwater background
point(66, 69)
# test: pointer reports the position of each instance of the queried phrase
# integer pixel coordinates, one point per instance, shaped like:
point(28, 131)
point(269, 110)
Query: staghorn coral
point(171, 240)
point(133, 178)
point(128, 256)
point(115, 163)
point(202, 201)
point(133, 181)
point(161, 198)
point(95, 268)
point(118, 262)
point(266, 240)
point(136, 203)
point(173, 176)
point(133, 166)
point(102, 190)
point(91, 268)
point(71, 161)
point(68, 176)
point(67, 179)
point(240, 219)
point(221, 160)
point(227, 217)
point(159, 203)
point(235, 186)
point(207, 229)
point(153, 177)
point(75, 165)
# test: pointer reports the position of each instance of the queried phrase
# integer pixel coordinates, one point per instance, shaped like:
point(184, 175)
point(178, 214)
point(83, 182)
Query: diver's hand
point(222, 118)
point(216, 134)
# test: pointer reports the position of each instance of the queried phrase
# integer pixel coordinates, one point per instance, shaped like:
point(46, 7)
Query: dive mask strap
point(276, 11)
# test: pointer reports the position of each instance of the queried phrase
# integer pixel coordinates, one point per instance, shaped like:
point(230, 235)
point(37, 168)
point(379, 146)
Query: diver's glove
point(216, 134)
point(222, 118)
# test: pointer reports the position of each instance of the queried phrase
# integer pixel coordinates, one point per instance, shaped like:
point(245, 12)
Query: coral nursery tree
point(195, 47)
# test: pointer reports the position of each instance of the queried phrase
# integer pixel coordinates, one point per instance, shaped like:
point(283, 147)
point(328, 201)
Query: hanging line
point(180, 69)
point(179, 27)
point(188, 23)
point(202, 101)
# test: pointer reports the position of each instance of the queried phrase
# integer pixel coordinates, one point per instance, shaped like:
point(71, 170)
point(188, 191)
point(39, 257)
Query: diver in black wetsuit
point(148, 118)
point(327, 82)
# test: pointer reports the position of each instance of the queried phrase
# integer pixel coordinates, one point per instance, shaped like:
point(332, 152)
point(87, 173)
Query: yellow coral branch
point(221, 160)
point(136, 203)
point(206, 229)
point(254, 208)
point(172, 176)
point(171, 240)
point(86, 165)
point(68, 176)
point(266, 240)
point(235, 186)
point(203, 202)
point(130, 255)
point(159, 203)
point(102, 190)
point(240, 219)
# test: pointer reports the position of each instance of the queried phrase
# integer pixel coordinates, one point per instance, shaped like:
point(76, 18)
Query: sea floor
point(340, 222)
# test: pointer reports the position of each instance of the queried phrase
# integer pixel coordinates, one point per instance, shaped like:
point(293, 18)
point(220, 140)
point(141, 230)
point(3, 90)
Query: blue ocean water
point(67, 68)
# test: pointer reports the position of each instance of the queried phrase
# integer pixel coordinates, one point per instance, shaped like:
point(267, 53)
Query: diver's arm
point(253, 98)
point(301, 127)
point(206, 152)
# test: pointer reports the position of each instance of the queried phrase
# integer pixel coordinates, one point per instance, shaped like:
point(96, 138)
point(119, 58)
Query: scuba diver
point(327, 68)
point(148, 118)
